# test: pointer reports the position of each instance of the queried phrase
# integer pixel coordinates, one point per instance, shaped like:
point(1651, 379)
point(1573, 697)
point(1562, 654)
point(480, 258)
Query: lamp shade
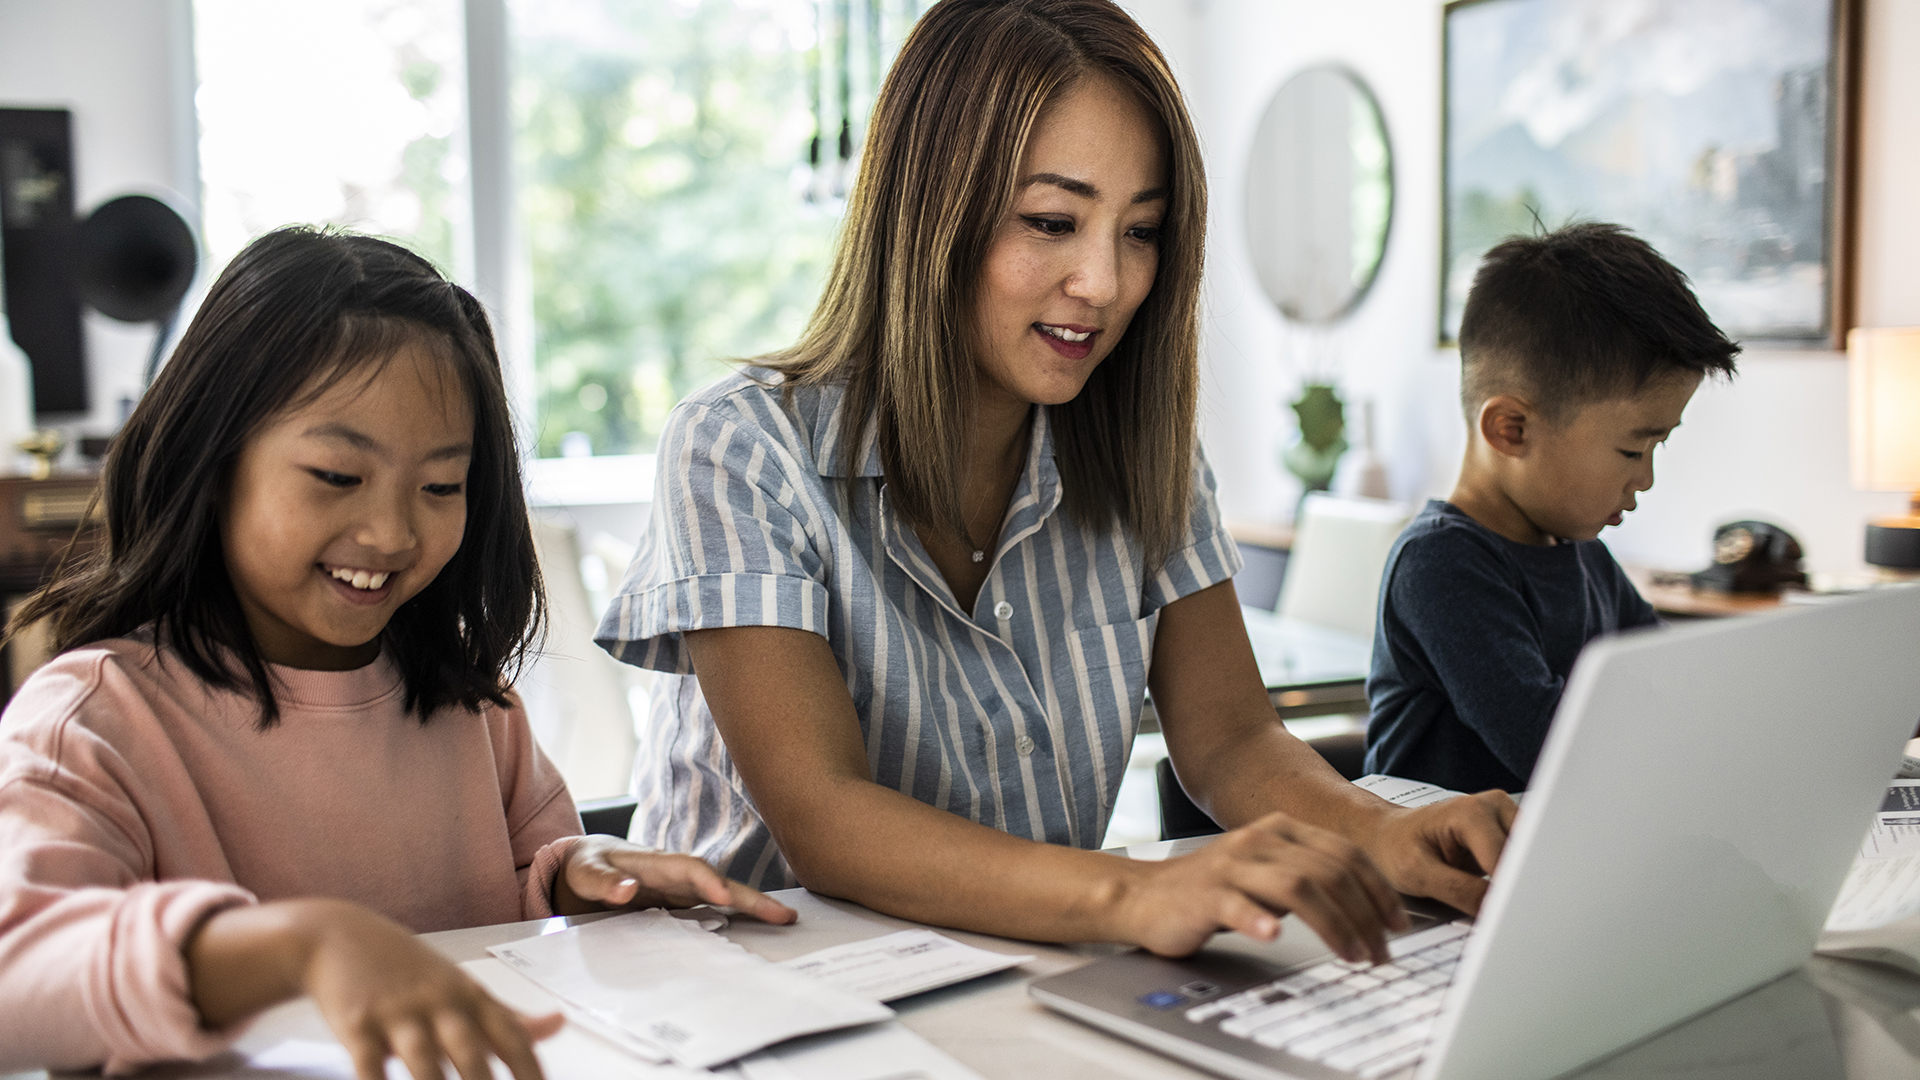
point(1884, 374)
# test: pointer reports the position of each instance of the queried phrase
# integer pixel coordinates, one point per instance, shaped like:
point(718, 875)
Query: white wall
point(1773, 444)
point(125, 68)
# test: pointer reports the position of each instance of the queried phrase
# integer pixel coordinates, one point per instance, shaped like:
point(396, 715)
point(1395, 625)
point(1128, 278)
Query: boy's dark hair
point(295, 313)
point(1581, 314)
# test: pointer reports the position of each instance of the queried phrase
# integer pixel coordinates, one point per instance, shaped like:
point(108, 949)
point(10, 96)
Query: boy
point(1579, 350)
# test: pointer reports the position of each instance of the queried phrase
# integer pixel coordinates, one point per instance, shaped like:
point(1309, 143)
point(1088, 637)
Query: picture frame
point(1723, 132)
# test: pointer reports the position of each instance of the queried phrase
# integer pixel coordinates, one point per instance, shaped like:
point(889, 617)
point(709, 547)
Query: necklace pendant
point(979, 556)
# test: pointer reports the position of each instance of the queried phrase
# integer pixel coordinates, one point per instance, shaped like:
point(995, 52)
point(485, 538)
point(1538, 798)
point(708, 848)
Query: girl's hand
point(604, 872)
point(1249, 878)
point(384, 993)
point(381, 990)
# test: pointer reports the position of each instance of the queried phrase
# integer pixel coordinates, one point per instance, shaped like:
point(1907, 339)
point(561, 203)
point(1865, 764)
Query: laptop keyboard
point(1370, 1021)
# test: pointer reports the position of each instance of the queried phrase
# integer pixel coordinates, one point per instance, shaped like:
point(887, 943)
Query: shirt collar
point(827, 432)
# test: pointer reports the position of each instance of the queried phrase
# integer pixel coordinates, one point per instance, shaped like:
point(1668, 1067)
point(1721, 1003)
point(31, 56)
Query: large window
point(678, 170)
point(332, 112)
point(662, 157)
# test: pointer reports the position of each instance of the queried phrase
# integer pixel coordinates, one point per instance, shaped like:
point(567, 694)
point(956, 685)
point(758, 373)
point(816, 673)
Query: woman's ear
point(1505, 421)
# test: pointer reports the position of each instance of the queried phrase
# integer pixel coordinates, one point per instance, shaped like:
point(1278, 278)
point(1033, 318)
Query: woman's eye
point(443, 489)
point(1050, 225)
point(1146, 234)
point(334, 479)
point(1631, 455)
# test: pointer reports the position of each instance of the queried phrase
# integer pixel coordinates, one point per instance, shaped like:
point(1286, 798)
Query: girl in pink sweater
point(278, 739)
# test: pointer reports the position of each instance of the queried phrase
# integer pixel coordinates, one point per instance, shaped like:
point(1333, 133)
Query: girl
point(278, 738)
point(914, 575)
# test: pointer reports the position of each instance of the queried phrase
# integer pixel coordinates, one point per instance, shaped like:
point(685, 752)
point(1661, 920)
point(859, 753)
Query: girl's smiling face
point(1078, 252)
point(344, 508)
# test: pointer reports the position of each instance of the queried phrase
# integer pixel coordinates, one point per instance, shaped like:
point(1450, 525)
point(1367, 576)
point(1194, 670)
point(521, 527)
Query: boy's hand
point(1444, 850)
point(604, 872)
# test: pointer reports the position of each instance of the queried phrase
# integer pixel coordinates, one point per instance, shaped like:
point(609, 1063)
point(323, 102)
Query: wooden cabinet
point(39, 521)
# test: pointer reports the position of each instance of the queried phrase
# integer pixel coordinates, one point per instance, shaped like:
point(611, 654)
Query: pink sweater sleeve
point(91, 968)
point(541, 817)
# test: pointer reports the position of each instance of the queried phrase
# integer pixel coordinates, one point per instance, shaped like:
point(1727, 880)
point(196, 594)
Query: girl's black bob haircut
point(295, 313)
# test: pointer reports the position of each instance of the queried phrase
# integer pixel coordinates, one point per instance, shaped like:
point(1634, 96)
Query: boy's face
point(1581, 475)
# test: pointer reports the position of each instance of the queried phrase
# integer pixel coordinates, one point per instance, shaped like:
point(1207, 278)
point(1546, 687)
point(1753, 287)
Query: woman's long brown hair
point(938, 174)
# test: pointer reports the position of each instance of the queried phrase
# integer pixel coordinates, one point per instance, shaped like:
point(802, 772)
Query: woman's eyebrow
point(1084, 189)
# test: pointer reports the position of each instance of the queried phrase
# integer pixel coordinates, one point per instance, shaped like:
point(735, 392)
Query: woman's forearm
point(859, 841)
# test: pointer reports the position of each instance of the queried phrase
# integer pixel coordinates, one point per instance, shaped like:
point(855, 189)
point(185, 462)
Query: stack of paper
point(900, 965)
point(664, 988)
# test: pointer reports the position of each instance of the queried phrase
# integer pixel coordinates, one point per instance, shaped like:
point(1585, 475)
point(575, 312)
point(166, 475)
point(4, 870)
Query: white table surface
point(1830, 1019)
point(1293, 654)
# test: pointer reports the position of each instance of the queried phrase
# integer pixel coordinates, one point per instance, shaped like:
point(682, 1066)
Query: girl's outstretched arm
point(382, 991)
point(602, 872)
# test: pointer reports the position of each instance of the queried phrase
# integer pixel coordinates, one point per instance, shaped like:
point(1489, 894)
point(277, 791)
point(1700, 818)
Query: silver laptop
point(1694, 812)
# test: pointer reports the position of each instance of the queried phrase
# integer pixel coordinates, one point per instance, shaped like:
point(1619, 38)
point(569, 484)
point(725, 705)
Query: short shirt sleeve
point(735, 537)
point(1205, 556)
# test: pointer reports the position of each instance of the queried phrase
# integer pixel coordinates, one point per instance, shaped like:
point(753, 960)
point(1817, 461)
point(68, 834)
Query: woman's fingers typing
point(1248, 878)
point(1445, 850)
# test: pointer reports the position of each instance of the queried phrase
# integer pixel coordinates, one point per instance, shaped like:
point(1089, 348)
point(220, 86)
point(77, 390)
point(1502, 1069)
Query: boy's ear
point(1504, 424)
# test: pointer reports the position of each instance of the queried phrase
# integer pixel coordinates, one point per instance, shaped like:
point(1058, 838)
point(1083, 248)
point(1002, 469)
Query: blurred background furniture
point(39, 521)
point(1180, 817)
point(1314, 645)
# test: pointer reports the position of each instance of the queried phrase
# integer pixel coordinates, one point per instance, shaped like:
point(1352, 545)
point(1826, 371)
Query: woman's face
point(344, 509)
point(1074, 258)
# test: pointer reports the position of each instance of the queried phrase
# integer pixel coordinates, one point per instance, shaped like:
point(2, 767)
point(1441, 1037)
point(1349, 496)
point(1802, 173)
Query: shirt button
point(1003, 610)
point(1024, 744)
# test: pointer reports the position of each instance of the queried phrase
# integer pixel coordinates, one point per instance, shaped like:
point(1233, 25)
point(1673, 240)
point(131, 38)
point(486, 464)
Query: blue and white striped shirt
point(1019, 714)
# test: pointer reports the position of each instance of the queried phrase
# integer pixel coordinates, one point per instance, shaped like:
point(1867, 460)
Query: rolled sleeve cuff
point(139, 996)
point(1201, 565)
point(537, 902)
point(644, 627)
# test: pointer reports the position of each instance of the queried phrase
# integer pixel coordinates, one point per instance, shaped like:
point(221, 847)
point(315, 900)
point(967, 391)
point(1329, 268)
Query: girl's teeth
point(362, 579)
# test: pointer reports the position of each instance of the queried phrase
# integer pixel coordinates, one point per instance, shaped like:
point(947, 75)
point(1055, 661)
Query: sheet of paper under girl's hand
point(657, 983)
point(900, 965)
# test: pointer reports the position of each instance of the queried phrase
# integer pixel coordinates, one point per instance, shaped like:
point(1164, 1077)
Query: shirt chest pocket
point(1110, 665)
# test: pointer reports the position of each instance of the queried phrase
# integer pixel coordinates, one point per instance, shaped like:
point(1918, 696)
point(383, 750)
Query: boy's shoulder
point(1443, 532)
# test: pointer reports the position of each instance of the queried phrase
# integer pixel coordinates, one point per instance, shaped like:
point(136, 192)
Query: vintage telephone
point(1752, 556)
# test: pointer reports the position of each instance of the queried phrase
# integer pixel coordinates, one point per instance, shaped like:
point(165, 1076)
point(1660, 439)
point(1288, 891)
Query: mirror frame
point(1366, 94)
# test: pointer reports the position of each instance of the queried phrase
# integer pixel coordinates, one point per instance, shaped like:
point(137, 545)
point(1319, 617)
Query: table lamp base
point(1894, 542)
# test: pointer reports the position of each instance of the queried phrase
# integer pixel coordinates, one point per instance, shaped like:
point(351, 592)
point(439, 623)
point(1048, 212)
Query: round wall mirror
point(1319, 194)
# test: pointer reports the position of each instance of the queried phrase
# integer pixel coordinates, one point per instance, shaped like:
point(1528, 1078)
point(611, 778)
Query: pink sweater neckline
point(334, 691)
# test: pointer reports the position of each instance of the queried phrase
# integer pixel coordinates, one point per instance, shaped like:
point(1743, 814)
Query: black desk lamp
point(1884, 392)
point(134, 261)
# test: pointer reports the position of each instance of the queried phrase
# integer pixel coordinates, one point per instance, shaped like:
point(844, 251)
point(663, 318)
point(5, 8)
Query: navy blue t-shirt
point(1475, 637)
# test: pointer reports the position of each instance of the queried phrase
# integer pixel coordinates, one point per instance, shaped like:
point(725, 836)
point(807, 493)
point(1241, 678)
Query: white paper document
point(1404, 792)
point(657, 984)
point(880, 1052)
point(1884, 884)
point(900, 965)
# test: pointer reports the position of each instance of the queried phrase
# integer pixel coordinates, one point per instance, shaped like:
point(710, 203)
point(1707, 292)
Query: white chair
point(1340, 546)
point(575, 694)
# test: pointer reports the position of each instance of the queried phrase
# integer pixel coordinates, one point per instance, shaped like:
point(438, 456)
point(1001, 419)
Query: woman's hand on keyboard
point(1250, 877)
point(1444, 850)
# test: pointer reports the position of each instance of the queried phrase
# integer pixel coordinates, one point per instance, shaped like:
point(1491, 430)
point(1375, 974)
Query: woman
point(913, 575)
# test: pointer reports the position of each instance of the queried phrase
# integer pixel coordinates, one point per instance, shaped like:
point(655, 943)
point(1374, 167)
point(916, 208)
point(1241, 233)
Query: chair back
point(1340, 546)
